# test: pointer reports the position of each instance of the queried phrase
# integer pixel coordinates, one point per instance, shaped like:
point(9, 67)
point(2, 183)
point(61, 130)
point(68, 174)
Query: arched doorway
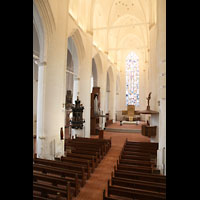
point(72, 71)
point(39, 63)
point(72, 82)
point(110, 95)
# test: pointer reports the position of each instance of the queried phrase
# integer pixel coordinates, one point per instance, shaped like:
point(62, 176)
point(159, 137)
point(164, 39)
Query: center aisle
point(93, 189)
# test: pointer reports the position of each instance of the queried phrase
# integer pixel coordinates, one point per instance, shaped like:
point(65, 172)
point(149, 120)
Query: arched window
point(132, 79)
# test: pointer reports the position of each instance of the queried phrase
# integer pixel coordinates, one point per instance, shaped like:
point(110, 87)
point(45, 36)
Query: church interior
point(99, 99)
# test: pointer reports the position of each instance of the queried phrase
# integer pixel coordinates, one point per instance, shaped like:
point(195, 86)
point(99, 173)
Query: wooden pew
point(134, 193)
point(152, 145)
point(74, 182)
point(94, 147)
point(133, 178)
point(135, 153)
point(36, 197)
point(93, 159)
point(61, 172)
point(145, 185)
point(93, 140)
point(136, 162)
point(134, 157)
point(108, 198)
point(86, 148)
point(140, 176)
point(87, 163)
point(47, 190)
point(140, 150)
point(101, 144)
point(57, 197)
point(94, 156)
point(63, 165)
point(107, 141)
point(86, 151)
point(134, 168)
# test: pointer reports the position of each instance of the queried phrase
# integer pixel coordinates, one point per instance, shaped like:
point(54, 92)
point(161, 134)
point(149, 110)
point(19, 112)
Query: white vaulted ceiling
point(118, 26)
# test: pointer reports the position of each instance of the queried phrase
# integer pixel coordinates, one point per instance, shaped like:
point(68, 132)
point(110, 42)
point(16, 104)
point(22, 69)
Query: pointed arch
point(41, 33)
point(76, 36)
point(99, 68)
point(109, 91)
point(46, 14)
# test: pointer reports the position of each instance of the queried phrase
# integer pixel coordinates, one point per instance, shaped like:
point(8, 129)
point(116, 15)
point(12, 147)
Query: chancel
point(99, 99)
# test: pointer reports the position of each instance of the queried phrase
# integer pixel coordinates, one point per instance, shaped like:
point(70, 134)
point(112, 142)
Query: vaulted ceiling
point(118, 26)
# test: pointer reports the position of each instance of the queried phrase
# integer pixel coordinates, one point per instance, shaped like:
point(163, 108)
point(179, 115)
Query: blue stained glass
point(132, 79)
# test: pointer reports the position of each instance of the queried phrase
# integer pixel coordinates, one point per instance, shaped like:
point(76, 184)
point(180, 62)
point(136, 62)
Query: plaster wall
point(53, 86)
point(157, 79)
point(35, 91)
point(153, 70)
point(36, 50)
point(161, 64)
point(83, 41)
point(102, 82)
point(85, 84)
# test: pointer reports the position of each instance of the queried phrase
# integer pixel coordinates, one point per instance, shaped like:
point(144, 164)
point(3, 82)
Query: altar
point(132, 116)
point(129, 122)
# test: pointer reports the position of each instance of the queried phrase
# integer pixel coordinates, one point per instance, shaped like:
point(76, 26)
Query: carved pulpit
point(77, 119)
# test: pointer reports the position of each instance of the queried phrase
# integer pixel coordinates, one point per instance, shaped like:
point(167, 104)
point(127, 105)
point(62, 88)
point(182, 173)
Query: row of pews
point(135, 176)
point(63, 177)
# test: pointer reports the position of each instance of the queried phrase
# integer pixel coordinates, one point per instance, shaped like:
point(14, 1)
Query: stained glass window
point(132, 79)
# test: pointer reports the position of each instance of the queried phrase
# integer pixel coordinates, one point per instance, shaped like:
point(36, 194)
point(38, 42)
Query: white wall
point(157, 78)
point(36, 50)
point(83, 43)
point(161, 63)
point(52, 78)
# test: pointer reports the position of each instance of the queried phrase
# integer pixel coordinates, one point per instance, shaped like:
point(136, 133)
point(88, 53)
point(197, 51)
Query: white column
point(161, 154)
point(85, 72)
point(113, 97)
point(161, 65)
point(35, 91)
point(40, 108)
point(107, 102)
point(52, 88)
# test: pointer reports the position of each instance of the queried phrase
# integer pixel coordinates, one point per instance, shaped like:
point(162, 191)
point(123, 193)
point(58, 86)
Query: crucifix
point(148, 99)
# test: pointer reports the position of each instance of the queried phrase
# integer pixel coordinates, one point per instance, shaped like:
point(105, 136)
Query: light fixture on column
point(36, 59)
